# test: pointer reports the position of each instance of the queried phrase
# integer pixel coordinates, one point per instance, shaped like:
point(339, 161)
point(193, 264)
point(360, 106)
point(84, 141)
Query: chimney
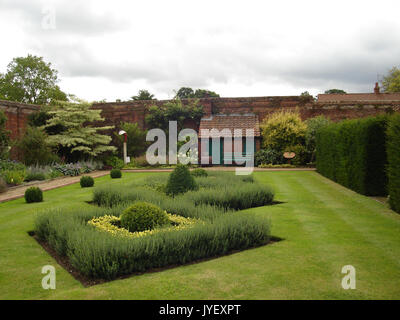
point(376, 89)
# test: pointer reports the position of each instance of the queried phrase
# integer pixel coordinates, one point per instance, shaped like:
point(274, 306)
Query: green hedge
point(353, 153)
point(393, 169)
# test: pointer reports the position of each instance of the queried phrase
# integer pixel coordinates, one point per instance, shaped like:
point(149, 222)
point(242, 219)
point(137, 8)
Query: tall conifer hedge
point(353, 153)
point(393, 169)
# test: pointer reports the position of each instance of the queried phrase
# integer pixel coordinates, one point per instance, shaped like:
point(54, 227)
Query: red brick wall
point(115, 112)
point(359, 97)
point(135, 111)
point(17, 116)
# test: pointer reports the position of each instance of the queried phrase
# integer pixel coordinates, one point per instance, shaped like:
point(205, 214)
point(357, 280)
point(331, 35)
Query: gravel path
point(19, 191)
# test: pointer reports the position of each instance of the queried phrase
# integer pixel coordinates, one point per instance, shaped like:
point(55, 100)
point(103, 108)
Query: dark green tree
point(34, 147)
point(31, 80)
point(189, 93)
point(143, 95)
point(136, 143)
point(175, 110)
point(335, 91)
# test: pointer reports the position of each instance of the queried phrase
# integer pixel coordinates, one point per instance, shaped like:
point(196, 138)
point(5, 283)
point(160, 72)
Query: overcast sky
point(111, 49)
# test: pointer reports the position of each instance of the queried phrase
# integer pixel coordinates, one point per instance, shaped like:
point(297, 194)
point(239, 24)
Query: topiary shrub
point(143, 216)
point(180, 181)
point(199, 173)
point(87, 182)
point(33, 194)
point(115, 174)
point(3, 185)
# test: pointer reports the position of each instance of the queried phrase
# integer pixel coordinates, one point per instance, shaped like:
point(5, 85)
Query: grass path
point(325, 226)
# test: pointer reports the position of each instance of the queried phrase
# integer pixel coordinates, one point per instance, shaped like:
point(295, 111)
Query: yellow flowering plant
point(109, 223)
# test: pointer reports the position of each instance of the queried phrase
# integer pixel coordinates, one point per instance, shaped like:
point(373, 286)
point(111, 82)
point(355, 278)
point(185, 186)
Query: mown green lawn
point(325, 226)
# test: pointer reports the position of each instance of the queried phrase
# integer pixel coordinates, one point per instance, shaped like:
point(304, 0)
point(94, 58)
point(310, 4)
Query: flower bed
point(99, 248)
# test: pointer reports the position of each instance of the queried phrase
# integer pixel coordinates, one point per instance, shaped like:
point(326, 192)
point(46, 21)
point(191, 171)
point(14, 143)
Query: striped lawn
point(324, 225)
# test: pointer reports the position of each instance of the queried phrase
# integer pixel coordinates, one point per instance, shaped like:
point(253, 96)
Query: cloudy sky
point(111, 49)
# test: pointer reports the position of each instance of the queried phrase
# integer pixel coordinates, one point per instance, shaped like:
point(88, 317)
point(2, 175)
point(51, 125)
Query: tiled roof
point(230, 121)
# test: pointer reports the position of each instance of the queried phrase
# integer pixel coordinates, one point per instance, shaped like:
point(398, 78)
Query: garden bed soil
point(64, 262)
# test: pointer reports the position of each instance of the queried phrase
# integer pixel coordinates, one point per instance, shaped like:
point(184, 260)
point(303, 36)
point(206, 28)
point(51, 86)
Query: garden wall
point(135, 111)
point(17, 116)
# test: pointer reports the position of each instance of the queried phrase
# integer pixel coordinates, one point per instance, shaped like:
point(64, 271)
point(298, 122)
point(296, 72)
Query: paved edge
point(48, 185)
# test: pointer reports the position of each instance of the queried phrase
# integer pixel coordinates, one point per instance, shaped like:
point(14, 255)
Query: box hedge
point(353, 153)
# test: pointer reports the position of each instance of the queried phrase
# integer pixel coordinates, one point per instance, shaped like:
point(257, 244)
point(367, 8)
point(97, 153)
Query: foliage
point(189, 93)
point(236, 197)
point(68, 169)
point(352, 153)
point(218, 192)
point(35, 176)
point(159, 116)
point(140, 161)
point(136, 142)
point(34, 147)
point(306, 97)
point(301, 155)
point(101, 255)
point(283, 129)
point(3, 185)
point(313, 125)
point(268, 156)
point(391, 82)
point(143, 95)
point(115, 173)
point(4, 137)
point(111, 224)
point(198, 172)
point(180, 181)
point(393, 168)
point(79, 135)
point(33, 194)
point(335, 91)
point(86, 182)
point(11, 165)
point(143, 216)
point(14, 177)
point(40, 118)
point(31, 80)
point(38, 172)
point(114, 162)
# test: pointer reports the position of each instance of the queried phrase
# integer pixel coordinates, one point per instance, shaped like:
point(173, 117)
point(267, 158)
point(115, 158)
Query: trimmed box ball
point(33, 194)
point(87, 182)
point(143, 216)
point(115, 174)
